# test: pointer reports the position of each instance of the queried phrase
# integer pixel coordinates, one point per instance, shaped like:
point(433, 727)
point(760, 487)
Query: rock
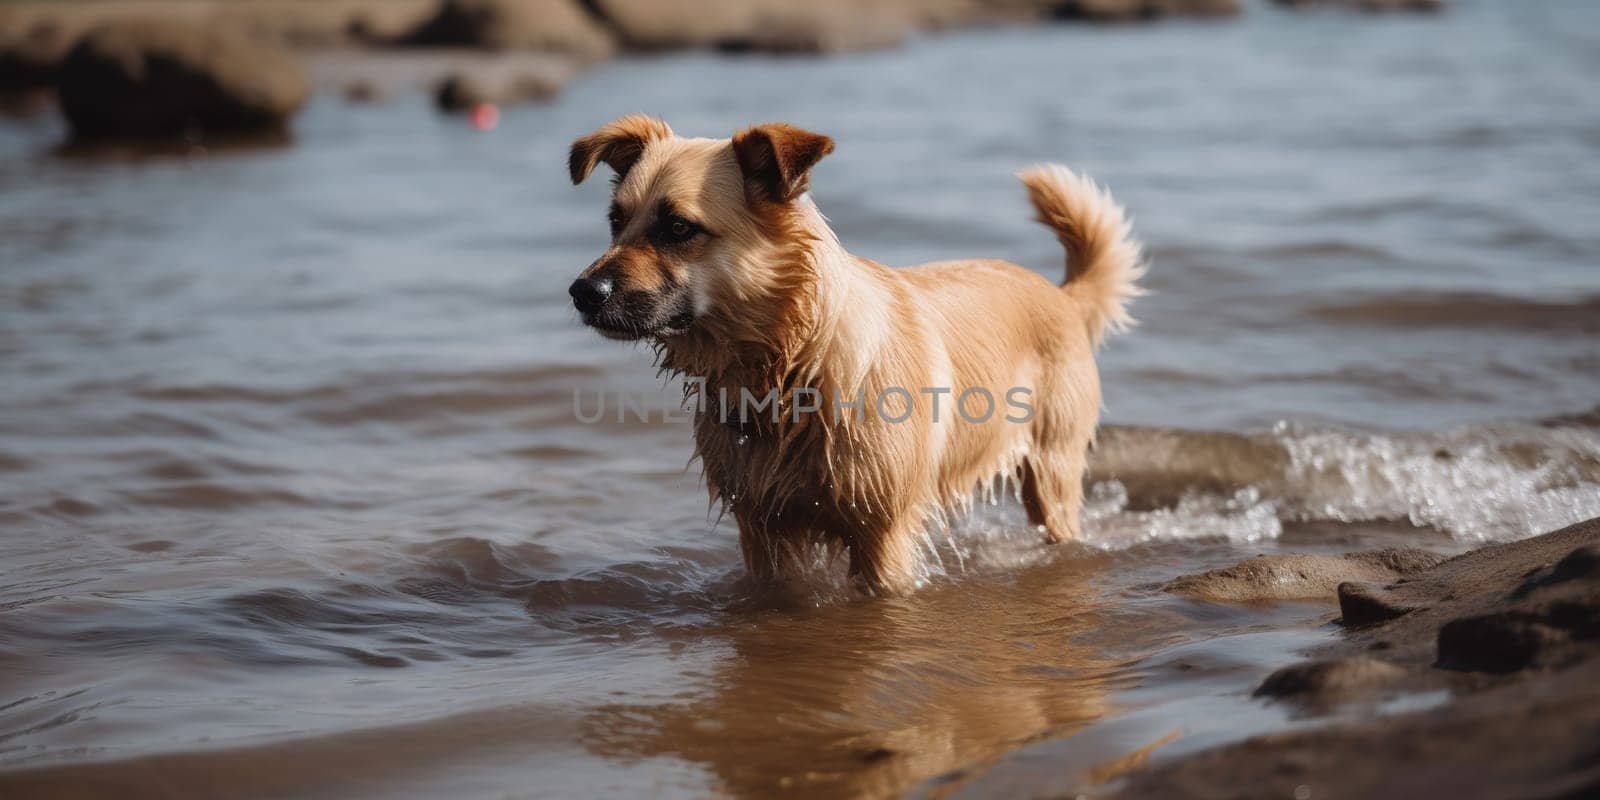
point(360, 30)
point(1367, 5)
point(1300, 577)
point(321, 24)
point(531, 88)
point(1327, 680)
point(1123, 10)
point(1529, 739)
point(1548, 620)
point(1511, 631)
point(818, 30)
point(462, 91)
point(1400, 5)
point(165, 78)
point(557, 25)
point(778, 26)
point(1365, 604)
point(1502, 642)
point(30, 58)
point(1580, 564)
point(672, 24)
point(361, 91)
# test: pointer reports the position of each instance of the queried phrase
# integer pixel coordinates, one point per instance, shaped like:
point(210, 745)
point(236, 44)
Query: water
point(289, 472)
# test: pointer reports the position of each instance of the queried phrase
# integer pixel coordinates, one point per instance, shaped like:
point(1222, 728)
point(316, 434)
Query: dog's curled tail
point(1103, 260)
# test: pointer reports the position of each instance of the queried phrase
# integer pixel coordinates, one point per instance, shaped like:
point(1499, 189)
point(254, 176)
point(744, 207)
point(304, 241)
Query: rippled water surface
point(289, 470)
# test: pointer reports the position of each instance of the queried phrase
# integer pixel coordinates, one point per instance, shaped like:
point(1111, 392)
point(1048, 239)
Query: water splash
point(1476, 483)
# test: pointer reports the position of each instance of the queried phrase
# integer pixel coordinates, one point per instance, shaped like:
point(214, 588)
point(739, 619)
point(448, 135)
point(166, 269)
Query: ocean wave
point(1476, 483)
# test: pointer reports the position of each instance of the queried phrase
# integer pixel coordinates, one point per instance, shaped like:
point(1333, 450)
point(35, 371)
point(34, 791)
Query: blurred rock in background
point(161, 67)
point(465, 91)
point(1127, 10)
point(558, 25)
point(171, 78)
point(1367, 5)
point(824, 26)
point(30, 56)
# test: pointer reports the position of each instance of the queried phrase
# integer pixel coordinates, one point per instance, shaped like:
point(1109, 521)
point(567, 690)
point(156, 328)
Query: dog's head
point(693, 222)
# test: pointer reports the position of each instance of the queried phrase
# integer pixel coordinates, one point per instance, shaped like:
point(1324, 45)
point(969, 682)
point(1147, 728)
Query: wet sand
point(1511, 633)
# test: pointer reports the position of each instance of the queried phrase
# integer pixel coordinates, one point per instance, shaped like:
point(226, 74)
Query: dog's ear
point(619, 143)
point(776, 160)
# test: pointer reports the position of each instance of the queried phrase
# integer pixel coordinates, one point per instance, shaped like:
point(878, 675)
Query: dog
point(721, 260)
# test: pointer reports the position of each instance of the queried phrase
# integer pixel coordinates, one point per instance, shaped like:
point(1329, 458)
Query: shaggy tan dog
point(877, 380)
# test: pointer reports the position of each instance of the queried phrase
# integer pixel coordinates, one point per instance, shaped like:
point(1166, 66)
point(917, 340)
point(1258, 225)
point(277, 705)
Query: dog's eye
point(615, 218)
point(675, 230)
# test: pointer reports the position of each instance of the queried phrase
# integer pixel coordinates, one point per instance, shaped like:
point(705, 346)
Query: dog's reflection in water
point(870, 698)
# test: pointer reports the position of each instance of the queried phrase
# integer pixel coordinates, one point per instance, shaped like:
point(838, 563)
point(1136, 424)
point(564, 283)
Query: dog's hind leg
point(1052, 491)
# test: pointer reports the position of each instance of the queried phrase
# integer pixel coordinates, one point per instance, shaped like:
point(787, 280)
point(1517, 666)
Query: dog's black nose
point(589, 294)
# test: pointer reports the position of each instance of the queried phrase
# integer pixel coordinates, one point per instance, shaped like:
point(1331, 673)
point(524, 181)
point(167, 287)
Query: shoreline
point(481, 39)
point(1509, 631)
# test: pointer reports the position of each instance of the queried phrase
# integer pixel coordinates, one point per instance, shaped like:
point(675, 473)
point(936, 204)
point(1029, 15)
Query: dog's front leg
point(759, 545)
point(884, 556)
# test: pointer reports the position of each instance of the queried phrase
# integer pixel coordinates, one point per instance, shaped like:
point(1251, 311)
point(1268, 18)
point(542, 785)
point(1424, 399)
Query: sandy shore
point(1500, 647)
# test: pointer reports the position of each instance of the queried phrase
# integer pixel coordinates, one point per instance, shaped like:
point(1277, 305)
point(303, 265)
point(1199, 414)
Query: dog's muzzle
point(590, 294)
point(619, 314)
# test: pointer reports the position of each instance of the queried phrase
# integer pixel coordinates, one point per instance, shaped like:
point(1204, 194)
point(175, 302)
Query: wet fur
point(778, 303)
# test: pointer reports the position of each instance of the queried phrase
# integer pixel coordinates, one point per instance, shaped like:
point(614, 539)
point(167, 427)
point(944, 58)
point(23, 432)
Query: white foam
point(1243, 517)
point(1477, 484)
